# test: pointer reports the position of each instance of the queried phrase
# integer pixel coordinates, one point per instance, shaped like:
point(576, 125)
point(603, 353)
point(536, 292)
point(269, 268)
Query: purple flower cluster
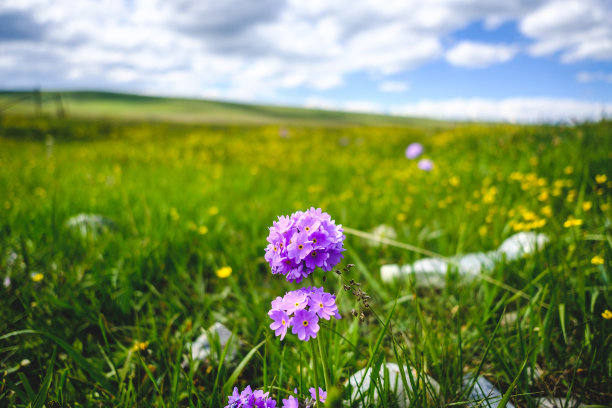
point(301, 309)
point(300, 243)
point(414, 150)
point(258, 399)
point(293, 402)
point(250, 399)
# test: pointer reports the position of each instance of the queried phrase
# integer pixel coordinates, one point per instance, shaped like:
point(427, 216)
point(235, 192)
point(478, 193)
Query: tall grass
point(112, 319)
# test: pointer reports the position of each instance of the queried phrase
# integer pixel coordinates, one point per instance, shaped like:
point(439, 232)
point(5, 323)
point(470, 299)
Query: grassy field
point(106, 317)
point(116, 106)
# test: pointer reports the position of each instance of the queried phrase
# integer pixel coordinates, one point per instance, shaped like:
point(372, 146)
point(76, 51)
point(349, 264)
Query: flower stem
point(314, 369)
point(325, 366)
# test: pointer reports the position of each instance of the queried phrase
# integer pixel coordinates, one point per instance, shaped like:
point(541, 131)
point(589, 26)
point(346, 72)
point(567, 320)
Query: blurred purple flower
point(291, 402)
point(414, 150)
point(250, 399)
point(322, 394)
point(426, 165)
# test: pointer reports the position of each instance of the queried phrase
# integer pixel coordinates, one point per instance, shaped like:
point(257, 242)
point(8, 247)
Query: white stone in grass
point(89, 224)
point(381, 231)
point(390, 272)
point(359, 384)
point(476, 262)
point(553, 402)
point(521, 244)
point(432, 271)
point(202, 346)
point(483, 393)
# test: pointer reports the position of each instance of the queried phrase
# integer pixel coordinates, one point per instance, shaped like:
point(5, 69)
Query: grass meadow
point(106, 318)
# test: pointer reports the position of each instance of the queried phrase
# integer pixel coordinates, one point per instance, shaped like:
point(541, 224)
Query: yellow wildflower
point(174, 214)
point(224, 272)
point(568, 170)
point(543, 196)
point(601, 178)
point(37, 277)
point(597, 260)
point(607, 314)
point(587, 205)
point(203, 230)
point(605, 207)
point(454, 181)
point(546, 211)
point(572, 222)
point(140, 346)
point(534, 161)
point(213, 211)
point(191, 226)
point(482, 231)
point(401, 217)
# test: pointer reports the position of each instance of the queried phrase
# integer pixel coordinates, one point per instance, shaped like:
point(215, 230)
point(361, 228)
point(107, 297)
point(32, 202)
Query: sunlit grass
point(107, 318)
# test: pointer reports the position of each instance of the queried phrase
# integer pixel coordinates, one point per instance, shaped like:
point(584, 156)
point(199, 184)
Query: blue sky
point(513, 60)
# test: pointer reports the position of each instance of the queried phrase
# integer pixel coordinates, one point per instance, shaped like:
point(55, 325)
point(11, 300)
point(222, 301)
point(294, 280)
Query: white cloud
point(586, 77)
point(140, 44)
point(578, 29)
point(393, 86)
point(235, 49)
point(523, 110)
point(469, 54)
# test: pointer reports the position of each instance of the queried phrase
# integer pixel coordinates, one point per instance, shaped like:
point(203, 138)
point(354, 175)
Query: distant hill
point(140, 107)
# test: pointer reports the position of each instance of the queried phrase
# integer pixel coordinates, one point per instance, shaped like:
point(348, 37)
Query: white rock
point(558, 403)
point(89, 224)
point(476, 263)
point(382, 231)
point(521, 244)
point(390, 272)
point(432, 271)
point(396, 386)
point(201, 347)
point(483, 393)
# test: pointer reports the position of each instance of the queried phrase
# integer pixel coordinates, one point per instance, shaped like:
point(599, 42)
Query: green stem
point(314, 370)
point(325, 366)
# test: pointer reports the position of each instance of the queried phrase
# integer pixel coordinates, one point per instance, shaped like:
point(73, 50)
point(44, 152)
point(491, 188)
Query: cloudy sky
point(515, 60)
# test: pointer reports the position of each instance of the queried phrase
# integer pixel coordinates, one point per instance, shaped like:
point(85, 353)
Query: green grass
point(137, 107)
point(534, 327)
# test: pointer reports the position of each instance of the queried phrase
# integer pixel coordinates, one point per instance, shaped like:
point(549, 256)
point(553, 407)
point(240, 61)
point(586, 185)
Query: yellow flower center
point(321, 305)
point(313, 253)
point(284, 323)
point(300, 246)
point(314, 240)
point(307, 228)
point(305, 323)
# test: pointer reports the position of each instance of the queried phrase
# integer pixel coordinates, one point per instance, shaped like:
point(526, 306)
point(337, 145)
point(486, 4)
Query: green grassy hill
point(139, 107)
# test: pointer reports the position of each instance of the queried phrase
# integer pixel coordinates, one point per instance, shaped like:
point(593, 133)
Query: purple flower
point(250, 399)
point(293, 239)
point(288, 311)
point(414, 150)
point(426, 165)
point(305, 325)
point(294, 301)
point(322, 394)
point(280, 323)
point(299, 246)
point(324, 305)
point(291, 402)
